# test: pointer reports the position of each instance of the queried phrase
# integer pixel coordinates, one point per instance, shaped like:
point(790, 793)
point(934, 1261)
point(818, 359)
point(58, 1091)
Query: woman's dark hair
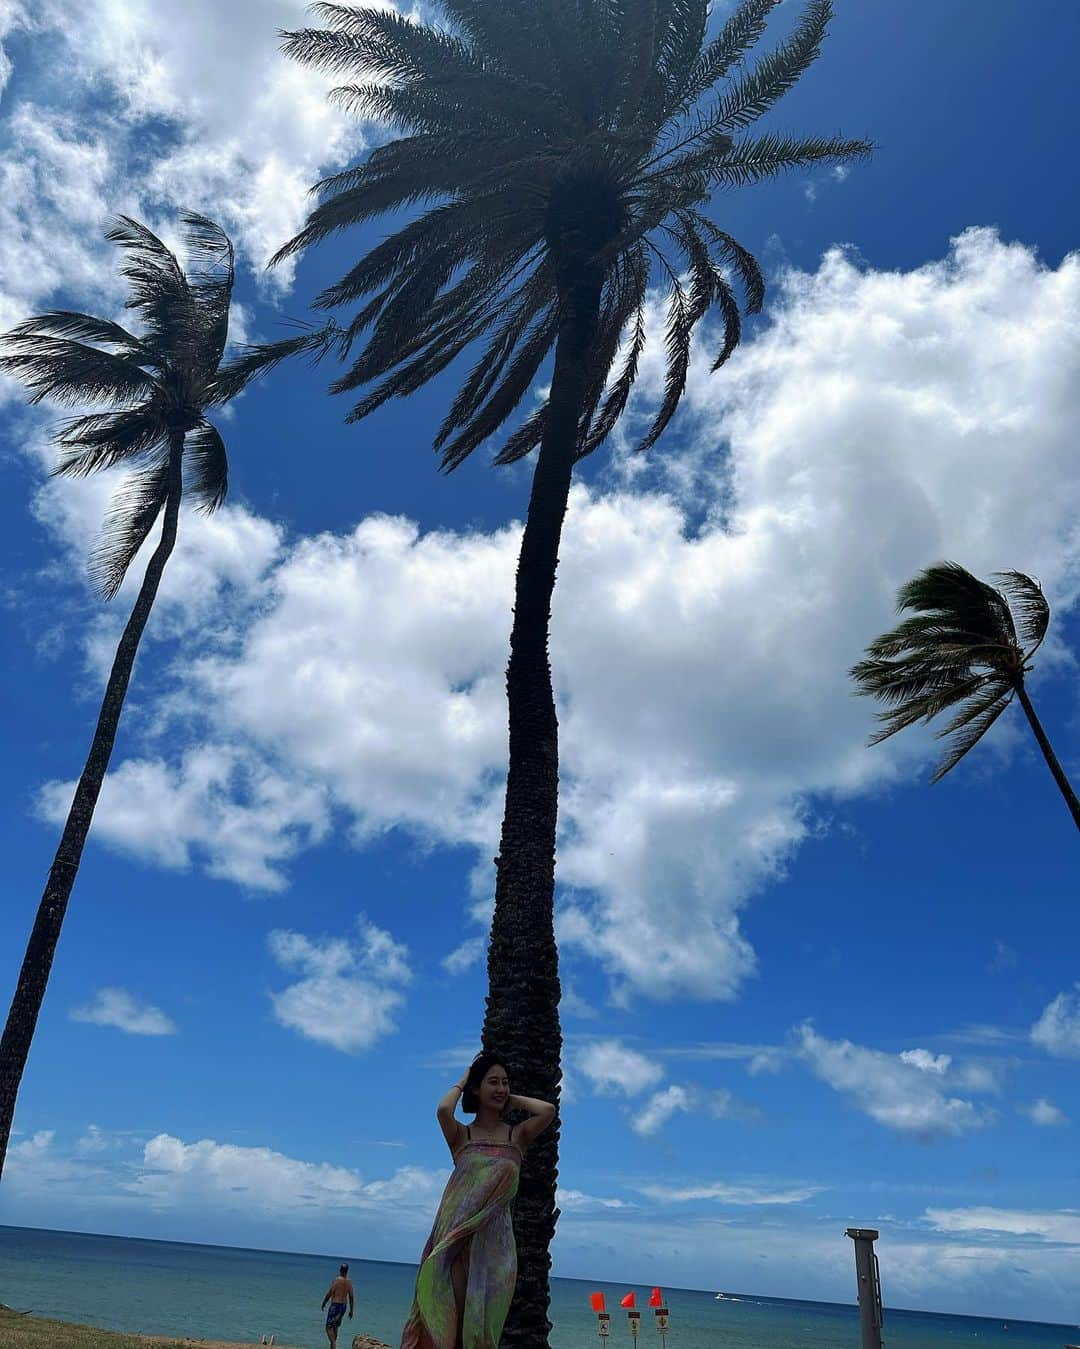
point(481, 1066)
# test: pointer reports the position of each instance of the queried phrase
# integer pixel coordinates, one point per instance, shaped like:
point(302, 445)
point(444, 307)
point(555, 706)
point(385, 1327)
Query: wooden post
point(871, 1312)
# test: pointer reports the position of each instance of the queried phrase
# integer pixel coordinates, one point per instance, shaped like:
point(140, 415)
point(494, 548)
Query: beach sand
point(35, 1332)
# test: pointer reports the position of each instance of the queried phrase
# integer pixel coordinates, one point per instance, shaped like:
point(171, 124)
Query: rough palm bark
point(37, 963)
point(522, 1019)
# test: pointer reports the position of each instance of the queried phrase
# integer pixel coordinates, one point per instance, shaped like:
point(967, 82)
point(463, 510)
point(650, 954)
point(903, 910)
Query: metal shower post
point(871, 1312)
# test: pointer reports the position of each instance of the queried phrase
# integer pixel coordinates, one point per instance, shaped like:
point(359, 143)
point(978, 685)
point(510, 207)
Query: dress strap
point(468, 1133)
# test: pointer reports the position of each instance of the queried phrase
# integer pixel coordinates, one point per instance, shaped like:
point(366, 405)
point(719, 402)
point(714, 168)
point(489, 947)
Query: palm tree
point(151, 393)
point(966, 648)
point(561, 153)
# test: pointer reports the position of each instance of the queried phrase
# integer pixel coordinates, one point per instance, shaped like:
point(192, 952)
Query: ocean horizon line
point(562, 1278)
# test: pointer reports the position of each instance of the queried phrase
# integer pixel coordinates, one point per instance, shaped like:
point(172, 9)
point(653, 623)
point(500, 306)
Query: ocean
point(222, 1292)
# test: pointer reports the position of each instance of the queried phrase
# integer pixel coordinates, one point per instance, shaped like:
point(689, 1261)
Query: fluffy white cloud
point(1062, 1225)
point(905, 401)
point(660, 1107)
point(56, 186)
point(225, 1175)
point(678, 1098)
point(465, 956)
point(909, 1096)
point(1045, 1113)
point(613, 1068)
point(117, 1007)
point(1058, 1028)
point(926, 1062)
point(750, 1195)
point(185, 102)
point(350, 990)
point(223, 805)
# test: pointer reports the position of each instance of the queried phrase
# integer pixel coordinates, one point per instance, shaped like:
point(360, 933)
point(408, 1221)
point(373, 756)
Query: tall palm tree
point(966, 648)
point(151, 393)
point(560, 153)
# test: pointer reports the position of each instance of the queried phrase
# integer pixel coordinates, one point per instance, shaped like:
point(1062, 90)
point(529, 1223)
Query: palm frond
point(744, 28)
point(82, 328)
point(970, 726)
point(533, 134)
point(1030, 604)
point(206, 467)
point(134, 509)
point(71, 372)
point(776, 74)
point(259, 358)
point(101, 440)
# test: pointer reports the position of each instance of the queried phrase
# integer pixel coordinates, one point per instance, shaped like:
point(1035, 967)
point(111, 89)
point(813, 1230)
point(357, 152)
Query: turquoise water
point(224, 1293)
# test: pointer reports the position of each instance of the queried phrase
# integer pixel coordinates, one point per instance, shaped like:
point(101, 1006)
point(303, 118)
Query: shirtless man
point(339, 1292)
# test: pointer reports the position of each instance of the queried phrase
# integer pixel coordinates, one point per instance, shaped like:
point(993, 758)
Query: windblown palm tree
point(156, 387)
point(561, 154)
point(967, 649)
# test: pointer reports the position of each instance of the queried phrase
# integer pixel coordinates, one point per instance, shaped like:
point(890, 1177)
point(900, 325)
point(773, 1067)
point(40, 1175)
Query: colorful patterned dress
point(473, 1222)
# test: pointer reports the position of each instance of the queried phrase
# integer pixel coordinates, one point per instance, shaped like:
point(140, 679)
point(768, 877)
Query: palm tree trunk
point(1049, 755)
point(34, 975)
point(522, 1022)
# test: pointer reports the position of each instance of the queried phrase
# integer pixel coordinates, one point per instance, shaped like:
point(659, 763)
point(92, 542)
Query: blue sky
point(805, 989)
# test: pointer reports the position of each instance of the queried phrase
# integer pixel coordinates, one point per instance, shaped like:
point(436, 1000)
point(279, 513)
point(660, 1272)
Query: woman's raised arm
point(541, 1113)
point(445, 1112)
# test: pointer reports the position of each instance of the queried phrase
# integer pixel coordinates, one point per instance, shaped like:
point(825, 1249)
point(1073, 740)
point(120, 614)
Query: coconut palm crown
point(556, 148)
point(152, 389)
point(966, 649)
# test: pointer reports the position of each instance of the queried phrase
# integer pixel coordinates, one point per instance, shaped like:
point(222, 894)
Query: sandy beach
point(18, 1331)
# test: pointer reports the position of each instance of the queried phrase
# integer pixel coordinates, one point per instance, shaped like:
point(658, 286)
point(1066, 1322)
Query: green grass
point(34, 1332)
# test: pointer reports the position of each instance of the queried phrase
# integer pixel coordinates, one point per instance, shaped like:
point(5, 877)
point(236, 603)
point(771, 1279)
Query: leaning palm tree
point(555, 159)
point(966, 648)
point(151, 393)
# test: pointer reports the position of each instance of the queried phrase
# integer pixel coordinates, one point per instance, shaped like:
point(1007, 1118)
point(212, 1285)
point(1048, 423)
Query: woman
point(469, 1265)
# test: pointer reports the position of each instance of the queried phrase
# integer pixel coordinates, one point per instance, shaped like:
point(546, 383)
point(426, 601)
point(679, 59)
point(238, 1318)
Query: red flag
point(596, 1301)
point(656, 1298)
point(630, 1300)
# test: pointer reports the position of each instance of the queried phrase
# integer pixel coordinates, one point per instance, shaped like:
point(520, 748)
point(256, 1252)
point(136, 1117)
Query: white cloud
point(193, 104)
point(350, 991)
point(732, 1194)
point(910, 1097)
point(575, 1201)
point(465, 956)
point(1061, 1225)
point(613, 1068)
point(94, 1140)
point(907, 401)
point(678, 1098)
point(660, 1107)
point(227, 1176)
point(1058, 1028)
point(926, 1062)
point(1045, 1113)
point(117, 1007)
point(230, 809)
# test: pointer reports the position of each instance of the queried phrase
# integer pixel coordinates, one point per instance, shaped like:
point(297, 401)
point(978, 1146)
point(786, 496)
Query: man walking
point(340, 1292)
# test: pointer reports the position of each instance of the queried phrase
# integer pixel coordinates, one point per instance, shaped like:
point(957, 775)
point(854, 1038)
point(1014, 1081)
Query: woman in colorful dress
point(469, 1265)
